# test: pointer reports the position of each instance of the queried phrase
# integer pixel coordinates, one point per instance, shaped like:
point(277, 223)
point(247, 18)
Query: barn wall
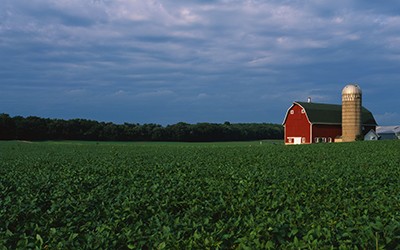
point(326, 131)
point(297, 125)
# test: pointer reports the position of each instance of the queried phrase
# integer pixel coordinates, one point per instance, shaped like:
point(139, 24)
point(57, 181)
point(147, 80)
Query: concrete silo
point(351, 112)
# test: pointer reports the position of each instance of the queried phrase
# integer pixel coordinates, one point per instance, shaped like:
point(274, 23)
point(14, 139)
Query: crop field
point(88, 195)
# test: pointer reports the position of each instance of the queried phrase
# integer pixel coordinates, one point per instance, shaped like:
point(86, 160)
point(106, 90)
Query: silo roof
point(321, 113)
point(351, 89)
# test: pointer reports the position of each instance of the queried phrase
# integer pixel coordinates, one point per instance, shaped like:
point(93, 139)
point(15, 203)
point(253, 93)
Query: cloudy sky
point(165, 61)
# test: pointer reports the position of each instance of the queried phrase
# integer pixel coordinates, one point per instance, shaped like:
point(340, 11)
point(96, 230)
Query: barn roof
point(320, 113)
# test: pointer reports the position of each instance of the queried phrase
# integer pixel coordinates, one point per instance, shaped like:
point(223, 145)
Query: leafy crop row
point(179, 196)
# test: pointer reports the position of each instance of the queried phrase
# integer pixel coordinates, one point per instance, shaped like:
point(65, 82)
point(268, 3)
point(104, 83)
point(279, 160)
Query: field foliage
point(77, 195)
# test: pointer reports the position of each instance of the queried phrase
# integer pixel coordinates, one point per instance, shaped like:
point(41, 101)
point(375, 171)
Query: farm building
point(371, 136)
point(388, 132)
point(307, 122)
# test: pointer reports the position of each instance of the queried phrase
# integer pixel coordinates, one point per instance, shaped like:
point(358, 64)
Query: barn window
point(292, 112)
point(303, 140)
point(319, 139)
point(303, 111)
point(330, 139)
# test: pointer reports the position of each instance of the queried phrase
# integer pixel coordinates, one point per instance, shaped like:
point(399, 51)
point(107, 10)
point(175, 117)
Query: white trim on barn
point(295, 140)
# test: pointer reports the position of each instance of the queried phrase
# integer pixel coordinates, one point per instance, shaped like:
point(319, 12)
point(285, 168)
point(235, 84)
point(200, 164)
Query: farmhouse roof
point(321, 113)
point(388, 129)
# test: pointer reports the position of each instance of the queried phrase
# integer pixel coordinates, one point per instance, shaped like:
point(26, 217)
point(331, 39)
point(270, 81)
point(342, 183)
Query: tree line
point(34, 128)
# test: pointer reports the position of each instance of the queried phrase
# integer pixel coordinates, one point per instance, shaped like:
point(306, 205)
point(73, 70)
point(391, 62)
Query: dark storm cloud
point(170, 61)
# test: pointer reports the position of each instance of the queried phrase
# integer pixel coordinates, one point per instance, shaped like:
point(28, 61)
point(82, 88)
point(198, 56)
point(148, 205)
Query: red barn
point(307, 122)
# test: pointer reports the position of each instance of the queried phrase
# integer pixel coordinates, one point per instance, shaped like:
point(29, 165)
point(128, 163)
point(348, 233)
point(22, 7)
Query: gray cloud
point(194, 60)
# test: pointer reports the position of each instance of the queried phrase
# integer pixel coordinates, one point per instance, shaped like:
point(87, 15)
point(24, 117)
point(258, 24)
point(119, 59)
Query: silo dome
point(351, 89)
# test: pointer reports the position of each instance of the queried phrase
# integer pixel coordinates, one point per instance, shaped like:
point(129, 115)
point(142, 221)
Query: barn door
point(297, 140)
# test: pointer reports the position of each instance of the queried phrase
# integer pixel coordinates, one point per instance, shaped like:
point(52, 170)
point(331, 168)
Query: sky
point(169, 61)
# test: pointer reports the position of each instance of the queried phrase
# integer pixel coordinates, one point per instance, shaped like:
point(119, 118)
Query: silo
point(351, 112)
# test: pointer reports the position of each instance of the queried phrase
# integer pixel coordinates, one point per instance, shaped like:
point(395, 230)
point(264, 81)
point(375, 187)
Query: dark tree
point(36, 128)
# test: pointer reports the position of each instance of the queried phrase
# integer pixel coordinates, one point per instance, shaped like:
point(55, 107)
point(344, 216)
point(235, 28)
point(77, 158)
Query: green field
point(247, 195)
